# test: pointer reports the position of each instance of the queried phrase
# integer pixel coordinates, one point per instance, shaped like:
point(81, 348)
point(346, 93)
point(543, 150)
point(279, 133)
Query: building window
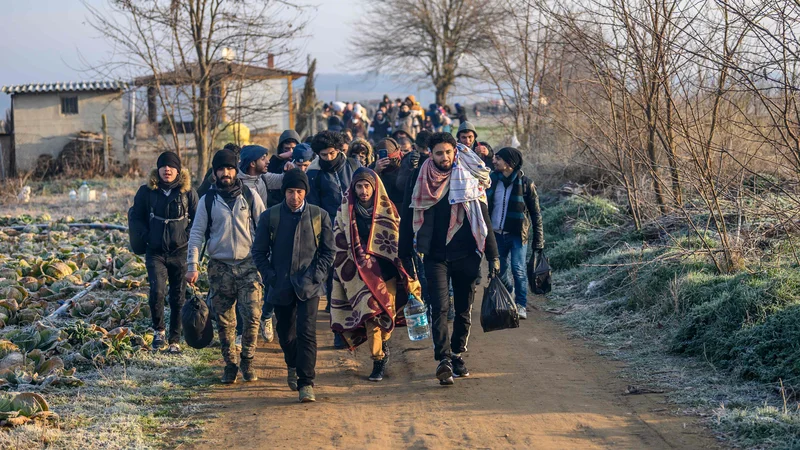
point(69, 105)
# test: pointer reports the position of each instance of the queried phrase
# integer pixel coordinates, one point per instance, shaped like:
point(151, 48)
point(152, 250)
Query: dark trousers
point(463, 272)
point(296, 324)
point(163, 268)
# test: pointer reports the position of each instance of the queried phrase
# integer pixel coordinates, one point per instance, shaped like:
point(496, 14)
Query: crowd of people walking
point(365, 214)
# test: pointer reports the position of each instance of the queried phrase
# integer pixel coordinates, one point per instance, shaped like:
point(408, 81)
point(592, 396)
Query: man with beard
point(294, 252)
point(226, 221)
point(380, 128)
point(208, 180)
point(363, 307)
point(389, 169)
point(162, 214)
point(445, 213)
point(328, 184)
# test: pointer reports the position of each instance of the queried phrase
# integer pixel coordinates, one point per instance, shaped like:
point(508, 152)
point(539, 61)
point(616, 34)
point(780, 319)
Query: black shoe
point(378, 369)
point(385, 348)
point(459, 367)
point(248, 371)
point(230, 374)
point(444, 372)
point(339, 342)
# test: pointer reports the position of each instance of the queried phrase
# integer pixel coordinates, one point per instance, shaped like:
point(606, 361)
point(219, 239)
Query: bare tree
point(308, 100)
point(188, 46)
point(426, 37)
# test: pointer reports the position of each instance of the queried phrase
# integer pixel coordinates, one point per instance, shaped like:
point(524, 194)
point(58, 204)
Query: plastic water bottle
point(417, 319)
point(73, 196)
point(83, 193)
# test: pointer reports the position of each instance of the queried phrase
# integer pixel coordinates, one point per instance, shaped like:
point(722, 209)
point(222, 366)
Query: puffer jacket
point(178, 208)
point(232, 231)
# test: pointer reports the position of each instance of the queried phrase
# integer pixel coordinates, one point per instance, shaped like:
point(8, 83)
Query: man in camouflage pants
point(228, 221)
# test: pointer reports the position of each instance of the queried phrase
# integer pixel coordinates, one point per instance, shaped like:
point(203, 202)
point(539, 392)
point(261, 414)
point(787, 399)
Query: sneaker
point(523, 314)
point(378, 369)
point(248, 371)
point(160, 341)
point(307, 394)
point(230, 374)
point(339, 342)
point(174, 349)
point(291, 378)
point(266, 330)
point(444, 372)
point(239, 343)
point(459, 367)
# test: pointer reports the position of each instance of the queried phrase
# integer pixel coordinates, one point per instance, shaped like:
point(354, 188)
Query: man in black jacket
point(388, 168)
point(293, 250)
point(288, 140)
point(162, 214)
point(452, 247)
point(514, 207)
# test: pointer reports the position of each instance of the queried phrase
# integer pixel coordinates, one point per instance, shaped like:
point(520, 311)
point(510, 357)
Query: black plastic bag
point(498, 310)
point(539, 277)
point(198, 331)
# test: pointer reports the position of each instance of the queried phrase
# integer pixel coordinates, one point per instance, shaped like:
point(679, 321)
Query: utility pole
point(105, 145)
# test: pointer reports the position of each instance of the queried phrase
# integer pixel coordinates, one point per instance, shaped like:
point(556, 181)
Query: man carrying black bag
point(160, 221)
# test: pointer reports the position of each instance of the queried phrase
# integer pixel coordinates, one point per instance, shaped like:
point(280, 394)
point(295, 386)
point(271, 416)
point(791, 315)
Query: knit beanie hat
point(391, 146)
point(511, 156)
point(249, 154)
point(364, 174)
point(294, 179)
point(224, 158)
point(170, 159)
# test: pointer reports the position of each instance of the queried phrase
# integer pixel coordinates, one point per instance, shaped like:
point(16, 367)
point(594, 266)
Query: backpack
point(139, 244)
point(316, 222)
point(209, 199)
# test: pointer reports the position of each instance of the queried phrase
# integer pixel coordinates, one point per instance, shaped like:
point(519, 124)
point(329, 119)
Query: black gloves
point(413, 158)
point(494, 268)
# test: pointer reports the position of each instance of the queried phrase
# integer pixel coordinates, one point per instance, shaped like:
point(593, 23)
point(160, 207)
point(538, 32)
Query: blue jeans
point(511, 245)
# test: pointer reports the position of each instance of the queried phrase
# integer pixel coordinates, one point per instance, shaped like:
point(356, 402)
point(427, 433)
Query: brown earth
point(532, 387)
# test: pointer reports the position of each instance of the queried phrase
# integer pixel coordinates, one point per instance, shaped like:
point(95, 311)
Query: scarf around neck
point(169, 186)
point(229, 193)
point(332, 166)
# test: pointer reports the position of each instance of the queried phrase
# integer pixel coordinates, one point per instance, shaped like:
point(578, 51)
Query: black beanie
point(294, 179)
point(224, 158)
point(511, 156)
point(364, 174)
point(170, 159)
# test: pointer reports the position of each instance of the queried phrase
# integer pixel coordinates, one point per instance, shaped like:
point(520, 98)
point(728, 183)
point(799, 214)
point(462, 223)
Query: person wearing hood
point(364, 306)
point(405, 121)
point(356, 124)
point(381, 127)
point(514, 206)
point(335, 124)
point(388, 168)
point(328, 184)
point(403, 131)
point(413, 159)
point(361, 150)
point(227, 224)
point(162, 215)
point(468, 136)
point(283, 153)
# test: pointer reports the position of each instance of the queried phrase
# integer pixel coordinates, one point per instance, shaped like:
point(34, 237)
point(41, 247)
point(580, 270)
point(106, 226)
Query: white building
point(47, 116)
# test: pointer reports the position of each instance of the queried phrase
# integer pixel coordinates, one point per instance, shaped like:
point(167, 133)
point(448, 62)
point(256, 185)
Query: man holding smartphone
point(387, 166)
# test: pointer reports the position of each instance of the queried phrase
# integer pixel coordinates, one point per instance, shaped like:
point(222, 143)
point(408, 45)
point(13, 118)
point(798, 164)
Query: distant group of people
point(397, 207)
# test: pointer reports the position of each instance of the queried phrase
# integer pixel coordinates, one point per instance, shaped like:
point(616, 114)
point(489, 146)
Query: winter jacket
point(232, 230)
point(358, 128)
point(380, 130)
point(436, 247)
point(309, 264)
point(262, 184)
point(522, 209)
point(181, 203)
point(327, 188)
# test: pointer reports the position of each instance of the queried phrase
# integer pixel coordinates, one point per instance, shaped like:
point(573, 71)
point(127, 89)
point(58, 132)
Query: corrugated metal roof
point(70, 86)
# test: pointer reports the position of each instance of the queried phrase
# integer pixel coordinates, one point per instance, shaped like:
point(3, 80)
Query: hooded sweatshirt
point(262, 183)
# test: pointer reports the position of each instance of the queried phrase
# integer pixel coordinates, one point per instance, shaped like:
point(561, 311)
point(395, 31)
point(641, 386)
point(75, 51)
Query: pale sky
point(50, 40)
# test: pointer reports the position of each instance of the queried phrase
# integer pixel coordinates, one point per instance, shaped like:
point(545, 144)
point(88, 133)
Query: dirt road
point(530, 387)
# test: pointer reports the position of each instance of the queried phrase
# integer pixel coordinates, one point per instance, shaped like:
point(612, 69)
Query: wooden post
point(105, 145)
point(291, 107)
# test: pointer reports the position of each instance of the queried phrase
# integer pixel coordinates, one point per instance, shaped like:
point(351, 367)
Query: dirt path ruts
point(531, 387)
